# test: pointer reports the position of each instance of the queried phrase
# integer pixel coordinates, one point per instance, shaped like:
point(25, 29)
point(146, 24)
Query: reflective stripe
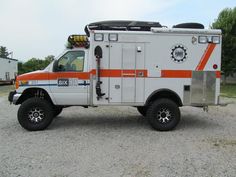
point(109, 73)
point(205, 57)
point(83, 75)
point(176, 73)
point(181, 74)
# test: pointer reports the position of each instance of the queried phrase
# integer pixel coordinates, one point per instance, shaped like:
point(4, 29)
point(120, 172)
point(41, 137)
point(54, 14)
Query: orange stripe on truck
point(218, 74)
point(107, 73)
point(181, 74)
point(176, 73)
point(83, 75)
point(205, 57)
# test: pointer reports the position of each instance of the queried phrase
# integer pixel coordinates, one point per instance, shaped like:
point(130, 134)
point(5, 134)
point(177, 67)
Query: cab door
point(69, 81)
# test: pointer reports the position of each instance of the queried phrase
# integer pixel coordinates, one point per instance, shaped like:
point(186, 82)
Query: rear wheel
point(142, 110)
point(35, 114)
point(163, 114)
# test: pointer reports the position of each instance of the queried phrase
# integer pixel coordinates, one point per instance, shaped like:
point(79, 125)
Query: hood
point(34, 75)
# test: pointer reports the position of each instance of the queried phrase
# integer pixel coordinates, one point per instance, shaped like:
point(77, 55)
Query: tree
point(49, 58)
point(3, 52)
point(34, 64)
point(226, 21)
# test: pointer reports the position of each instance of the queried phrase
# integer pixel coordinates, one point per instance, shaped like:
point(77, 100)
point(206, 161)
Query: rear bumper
point(13, 97)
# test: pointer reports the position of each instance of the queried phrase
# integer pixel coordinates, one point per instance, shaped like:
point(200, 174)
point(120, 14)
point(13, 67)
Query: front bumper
point(13, 97)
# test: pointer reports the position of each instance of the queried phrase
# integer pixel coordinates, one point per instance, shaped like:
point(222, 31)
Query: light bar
point(78, 41)
point(209, 39)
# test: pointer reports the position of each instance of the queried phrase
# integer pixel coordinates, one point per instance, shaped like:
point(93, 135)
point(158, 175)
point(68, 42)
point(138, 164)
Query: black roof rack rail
point(122, 25)
point(191, 25)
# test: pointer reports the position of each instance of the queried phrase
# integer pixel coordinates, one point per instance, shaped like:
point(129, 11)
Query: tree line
point(226, 21)
point(34, 64)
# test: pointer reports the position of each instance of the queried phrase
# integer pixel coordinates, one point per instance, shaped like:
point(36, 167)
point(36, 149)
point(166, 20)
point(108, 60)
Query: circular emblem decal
point(179, 53)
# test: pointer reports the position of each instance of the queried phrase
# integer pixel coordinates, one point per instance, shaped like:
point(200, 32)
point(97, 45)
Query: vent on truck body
point(122, 25)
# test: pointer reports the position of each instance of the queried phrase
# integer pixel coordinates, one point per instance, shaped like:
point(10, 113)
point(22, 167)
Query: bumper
point(13, 97)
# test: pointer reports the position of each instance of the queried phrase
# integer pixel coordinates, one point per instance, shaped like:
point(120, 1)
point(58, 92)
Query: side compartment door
point(128, 73)
point(127, 63)
point(69, 82)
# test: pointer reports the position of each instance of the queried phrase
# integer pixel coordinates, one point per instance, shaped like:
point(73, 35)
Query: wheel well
point(34, 92)
point(164, 93)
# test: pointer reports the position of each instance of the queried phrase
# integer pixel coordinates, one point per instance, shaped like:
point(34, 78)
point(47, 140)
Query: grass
point(228, 90)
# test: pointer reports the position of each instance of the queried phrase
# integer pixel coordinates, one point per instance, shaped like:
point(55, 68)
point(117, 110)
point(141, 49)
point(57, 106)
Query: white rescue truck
point(126, 63)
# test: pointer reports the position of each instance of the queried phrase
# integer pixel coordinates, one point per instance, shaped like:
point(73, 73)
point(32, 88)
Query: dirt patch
point(222, 142)
point(5, 89)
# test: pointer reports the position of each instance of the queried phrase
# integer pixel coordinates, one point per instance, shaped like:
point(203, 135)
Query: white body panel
point(156, 50)
point(8, 69)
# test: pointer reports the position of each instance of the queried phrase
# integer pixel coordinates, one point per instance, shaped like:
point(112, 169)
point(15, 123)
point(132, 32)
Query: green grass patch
point(228, 90)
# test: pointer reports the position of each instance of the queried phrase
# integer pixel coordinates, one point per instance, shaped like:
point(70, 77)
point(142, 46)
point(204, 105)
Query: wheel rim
point(164, 115)
point(36, 115)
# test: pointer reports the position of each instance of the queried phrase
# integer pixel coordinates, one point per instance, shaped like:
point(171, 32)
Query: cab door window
point(72, 61)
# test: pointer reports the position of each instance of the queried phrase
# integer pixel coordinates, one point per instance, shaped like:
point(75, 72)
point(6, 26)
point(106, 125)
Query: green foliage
point(34, 64)
point(227, 23)
point(228, 90)
point(3, 52)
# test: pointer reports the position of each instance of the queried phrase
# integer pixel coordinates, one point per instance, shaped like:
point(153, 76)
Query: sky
point(38, 28)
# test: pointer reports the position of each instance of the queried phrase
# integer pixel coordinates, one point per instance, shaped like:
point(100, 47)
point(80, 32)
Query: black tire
point(142, 110)
point(57, 110)
point(163, 114)
point(35, 114)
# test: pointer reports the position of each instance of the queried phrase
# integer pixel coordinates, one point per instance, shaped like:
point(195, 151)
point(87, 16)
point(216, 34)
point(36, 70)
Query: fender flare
point(29, 92)
point(164, 93)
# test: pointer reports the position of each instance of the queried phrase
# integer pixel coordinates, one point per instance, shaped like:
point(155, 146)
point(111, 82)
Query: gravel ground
point(117, 141)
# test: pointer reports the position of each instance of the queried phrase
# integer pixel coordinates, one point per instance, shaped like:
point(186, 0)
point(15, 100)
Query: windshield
point(70, 61)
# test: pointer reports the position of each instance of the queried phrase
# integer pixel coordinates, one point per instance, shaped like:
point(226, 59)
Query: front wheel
point(57, 110)
point(163, 114)
point(35, 114)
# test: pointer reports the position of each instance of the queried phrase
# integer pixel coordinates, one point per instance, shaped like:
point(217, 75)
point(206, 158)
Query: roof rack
point(122, 25)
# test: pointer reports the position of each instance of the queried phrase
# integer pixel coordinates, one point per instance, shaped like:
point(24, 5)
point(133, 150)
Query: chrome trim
point(203, 88)
point(16, 97)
